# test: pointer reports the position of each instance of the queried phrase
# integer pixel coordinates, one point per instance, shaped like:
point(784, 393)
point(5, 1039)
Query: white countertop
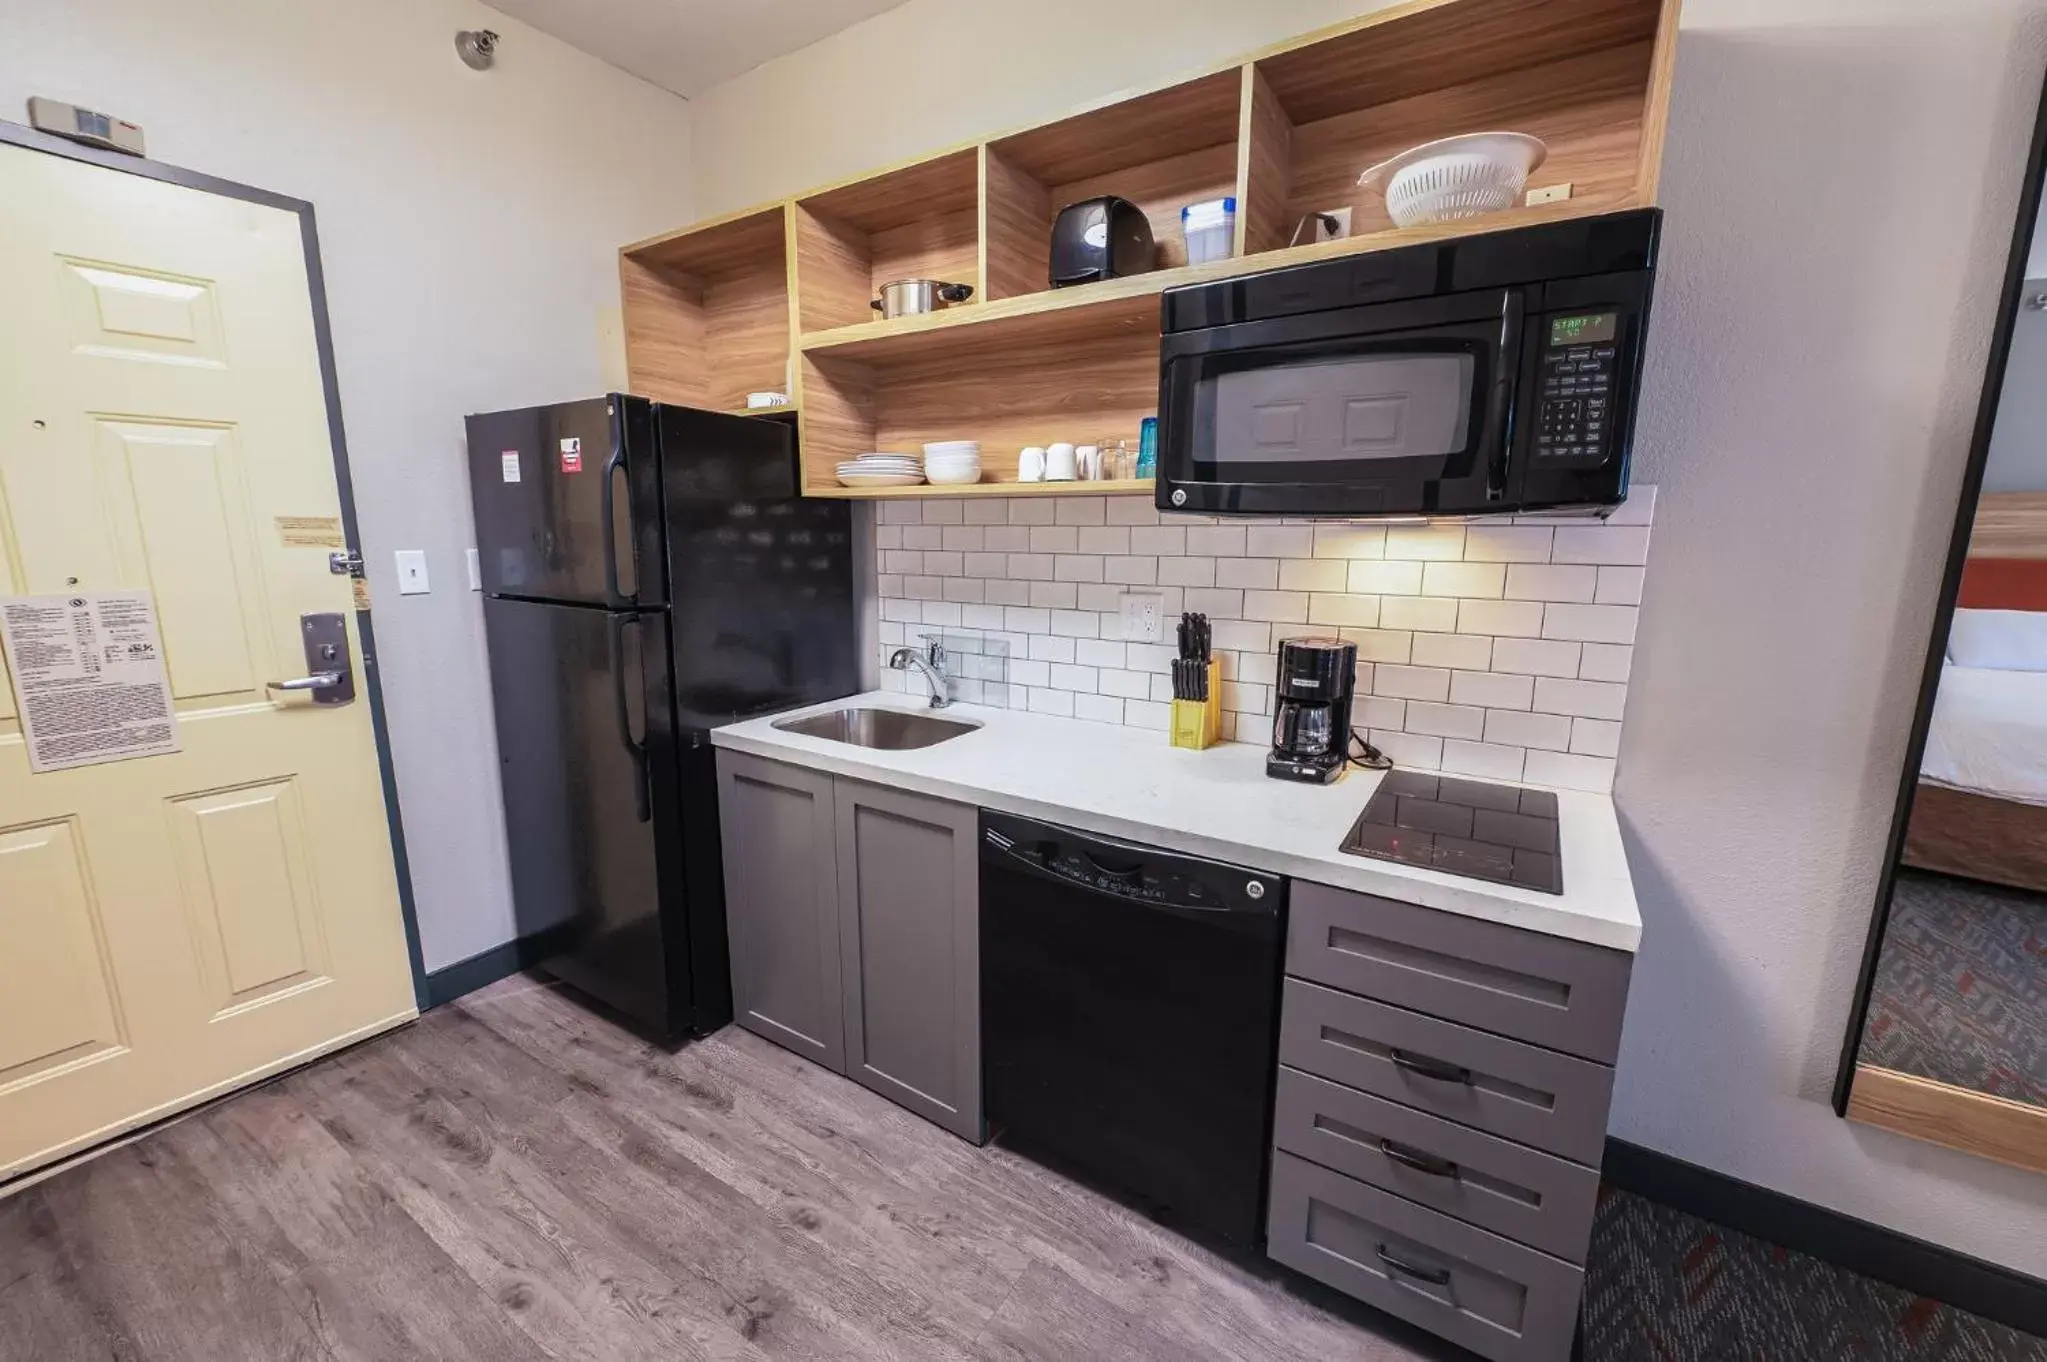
point(1130, 783)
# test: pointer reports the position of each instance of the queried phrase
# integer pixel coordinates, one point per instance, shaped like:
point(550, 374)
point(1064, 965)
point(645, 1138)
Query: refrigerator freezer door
point(762, 579)
point(592, 823)
point(567, 502)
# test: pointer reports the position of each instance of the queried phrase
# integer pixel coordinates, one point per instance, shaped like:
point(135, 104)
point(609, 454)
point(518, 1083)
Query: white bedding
point(1989, 733)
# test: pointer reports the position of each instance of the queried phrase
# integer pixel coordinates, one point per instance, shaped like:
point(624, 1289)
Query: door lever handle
point(317, 681)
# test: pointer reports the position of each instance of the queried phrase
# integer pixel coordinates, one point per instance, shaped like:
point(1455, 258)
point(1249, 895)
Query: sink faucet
point(932, 667)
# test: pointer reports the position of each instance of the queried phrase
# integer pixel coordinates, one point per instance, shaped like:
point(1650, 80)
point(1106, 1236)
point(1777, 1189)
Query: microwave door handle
point(1501, 420)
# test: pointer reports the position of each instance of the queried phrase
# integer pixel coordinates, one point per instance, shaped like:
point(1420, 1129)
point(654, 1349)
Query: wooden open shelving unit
point(777, 296)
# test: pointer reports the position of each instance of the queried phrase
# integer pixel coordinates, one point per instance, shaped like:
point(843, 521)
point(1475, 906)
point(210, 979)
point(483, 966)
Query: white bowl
point(952, 447)
point(1456, 177)
point(948, 477)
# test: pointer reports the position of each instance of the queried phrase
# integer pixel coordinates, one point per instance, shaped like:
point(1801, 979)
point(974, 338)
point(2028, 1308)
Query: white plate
point(880, 479)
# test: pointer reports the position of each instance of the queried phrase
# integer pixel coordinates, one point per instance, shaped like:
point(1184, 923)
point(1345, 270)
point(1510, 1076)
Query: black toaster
point(1102, 238)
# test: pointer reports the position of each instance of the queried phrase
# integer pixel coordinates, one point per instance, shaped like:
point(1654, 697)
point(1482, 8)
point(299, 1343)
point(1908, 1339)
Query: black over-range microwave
point(1489, 373)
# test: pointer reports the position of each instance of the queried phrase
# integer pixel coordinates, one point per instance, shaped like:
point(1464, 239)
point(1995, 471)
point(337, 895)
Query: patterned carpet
point(1960, 994)
point(1663, 1286)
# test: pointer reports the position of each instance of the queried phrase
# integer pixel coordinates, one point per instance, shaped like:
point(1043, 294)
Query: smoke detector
point(478, 48)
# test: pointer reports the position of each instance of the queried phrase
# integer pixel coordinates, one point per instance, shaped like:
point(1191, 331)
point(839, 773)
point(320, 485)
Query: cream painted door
point(174, 926)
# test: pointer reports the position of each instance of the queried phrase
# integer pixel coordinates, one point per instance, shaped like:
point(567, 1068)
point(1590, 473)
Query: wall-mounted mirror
point(1948, 1040)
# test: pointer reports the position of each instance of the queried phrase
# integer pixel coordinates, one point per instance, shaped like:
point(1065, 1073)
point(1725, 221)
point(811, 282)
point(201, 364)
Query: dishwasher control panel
point(1141, 874)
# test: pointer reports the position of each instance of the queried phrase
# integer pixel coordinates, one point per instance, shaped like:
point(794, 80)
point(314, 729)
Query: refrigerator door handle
point(614, 464)
point(615, 635)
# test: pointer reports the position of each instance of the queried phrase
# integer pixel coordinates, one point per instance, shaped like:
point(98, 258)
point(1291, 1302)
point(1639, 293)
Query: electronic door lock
point(330, 673)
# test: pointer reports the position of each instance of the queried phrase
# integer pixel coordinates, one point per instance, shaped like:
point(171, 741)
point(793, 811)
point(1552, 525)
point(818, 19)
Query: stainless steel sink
point(892, 729)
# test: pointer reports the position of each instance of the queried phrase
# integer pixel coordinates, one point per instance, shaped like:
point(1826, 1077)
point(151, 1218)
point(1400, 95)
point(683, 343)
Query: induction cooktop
point(1463, 827)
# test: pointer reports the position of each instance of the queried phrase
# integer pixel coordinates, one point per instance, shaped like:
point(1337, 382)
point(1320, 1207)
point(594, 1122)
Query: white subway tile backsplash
point(1411, 683)
point(1484, 760)
point(1257, 573)
point(1620, 586)
point(1051, 702)
point(1473, 652)
point(1493, 690)
point(1445, 721)
point(1501, 619)
point(1279, 541)
point(1187, 572)
point(1609, 543)
point(1521, 728)
point(1551, 582)
point(1487, 648)
point(1506, 544)
point(1596, 737)
point(1443, 543)
point(1218, 541)
point(1569, 772)
point(1590, 623)
point(1349, 541)
point(1381, 645)
point(1159, 539)
point(1385, 578)
point(1102, 709)
point(1464, 579)
point(1606, 662)
point(1314, 574)
point(1422, 614)
point(1592, 699)
point(1341, 609)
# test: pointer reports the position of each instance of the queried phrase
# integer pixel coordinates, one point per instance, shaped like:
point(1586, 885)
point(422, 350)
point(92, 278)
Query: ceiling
point(690, 45)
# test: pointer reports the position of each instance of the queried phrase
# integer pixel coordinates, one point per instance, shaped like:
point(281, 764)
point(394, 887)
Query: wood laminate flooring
point(514, 1178)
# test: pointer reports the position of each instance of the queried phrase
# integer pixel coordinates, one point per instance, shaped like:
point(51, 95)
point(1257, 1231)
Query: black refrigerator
point(649, 572)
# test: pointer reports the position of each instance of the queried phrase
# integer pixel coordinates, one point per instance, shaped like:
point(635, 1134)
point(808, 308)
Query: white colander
point(1456, 177)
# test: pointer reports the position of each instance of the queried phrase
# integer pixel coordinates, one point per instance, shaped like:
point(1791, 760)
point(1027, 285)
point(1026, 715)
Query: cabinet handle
point(1434, 1276)
point(1430, 1068)
point(1421, 1163)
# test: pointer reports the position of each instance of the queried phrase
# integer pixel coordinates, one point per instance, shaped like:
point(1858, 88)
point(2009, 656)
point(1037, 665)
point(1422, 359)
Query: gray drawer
point(1496, 1298)
point(1522, 1193)
point(1536, 1096)
point(1563, 994)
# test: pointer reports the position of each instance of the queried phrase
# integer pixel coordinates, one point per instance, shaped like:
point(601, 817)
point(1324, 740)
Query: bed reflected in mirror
point(1949, 1041)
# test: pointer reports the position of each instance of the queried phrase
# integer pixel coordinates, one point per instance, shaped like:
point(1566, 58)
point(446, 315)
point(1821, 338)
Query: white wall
point(469, 225)
point(1841, 177)
point(2018, 442)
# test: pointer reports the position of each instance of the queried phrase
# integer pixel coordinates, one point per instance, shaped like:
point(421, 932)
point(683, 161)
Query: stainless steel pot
point(907, 297)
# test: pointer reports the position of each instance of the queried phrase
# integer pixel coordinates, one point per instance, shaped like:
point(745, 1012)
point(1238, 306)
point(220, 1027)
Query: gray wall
point(2018, 444)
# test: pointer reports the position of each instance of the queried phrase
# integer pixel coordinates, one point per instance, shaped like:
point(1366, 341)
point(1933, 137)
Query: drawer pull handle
point(1430, 1068)
point(1434, 1276)
point(1421, 1163)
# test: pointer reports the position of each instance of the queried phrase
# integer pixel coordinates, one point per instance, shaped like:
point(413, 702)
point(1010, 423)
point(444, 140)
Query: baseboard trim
point(450, 982)
point(1971, 1284)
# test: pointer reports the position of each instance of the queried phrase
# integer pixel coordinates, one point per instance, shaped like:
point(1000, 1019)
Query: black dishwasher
point(1129, 1017)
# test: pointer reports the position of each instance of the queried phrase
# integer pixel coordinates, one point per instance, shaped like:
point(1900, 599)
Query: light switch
point(475, 562)
point(411, 572)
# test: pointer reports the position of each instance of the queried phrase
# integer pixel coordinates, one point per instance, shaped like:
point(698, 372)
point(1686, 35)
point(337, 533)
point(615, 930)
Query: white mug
point(1030, 465)
point(1088, 460)
point(1059, 465)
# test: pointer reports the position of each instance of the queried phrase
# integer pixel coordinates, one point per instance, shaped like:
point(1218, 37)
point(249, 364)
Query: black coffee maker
point(1311, 709)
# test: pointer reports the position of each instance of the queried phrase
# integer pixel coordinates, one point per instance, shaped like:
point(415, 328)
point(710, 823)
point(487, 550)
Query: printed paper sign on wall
point(89, 677)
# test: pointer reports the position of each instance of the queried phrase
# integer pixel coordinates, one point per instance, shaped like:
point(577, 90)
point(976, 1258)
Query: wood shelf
point(783, 409)
point(778, 296)
point(1110, 487)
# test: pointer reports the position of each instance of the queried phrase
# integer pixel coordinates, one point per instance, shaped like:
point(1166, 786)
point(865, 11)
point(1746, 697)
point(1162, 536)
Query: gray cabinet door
point(782, 904)
point(909, 914)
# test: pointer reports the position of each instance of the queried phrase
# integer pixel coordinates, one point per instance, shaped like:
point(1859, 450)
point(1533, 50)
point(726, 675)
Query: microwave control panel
point(1579, 367)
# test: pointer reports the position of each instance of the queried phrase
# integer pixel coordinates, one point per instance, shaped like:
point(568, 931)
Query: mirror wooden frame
point(1943, 1113)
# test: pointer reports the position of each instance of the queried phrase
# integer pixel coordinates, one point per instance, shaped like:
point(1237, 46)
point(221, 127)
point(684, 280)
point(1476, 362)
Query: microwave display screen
point(1586, 330)
point(1385, 404)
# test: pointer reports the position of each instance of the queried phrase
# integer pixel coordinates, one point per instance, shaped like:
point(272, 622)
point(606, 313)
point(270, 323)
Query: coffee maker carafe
point(1311, 709)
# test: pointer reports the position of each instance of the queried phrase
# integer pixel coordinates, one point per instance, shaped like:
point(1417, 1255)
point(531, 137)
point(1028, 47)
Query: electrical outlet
point(1323, 232)
point(475, 563)
point(411, 572)
point(1549, 193)
point(1143, 617)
